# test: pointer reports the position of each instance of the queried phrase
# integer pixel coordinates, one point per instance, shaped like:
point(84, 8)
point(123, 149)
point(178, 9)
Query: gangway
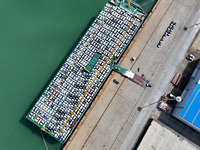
point(140, 80)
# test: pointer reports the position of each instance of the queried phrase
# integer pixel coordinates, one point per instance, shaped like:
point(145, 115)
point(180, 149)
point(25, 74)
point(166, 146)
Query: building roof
point(191, 110)
point(188, 110)
point(159, 137)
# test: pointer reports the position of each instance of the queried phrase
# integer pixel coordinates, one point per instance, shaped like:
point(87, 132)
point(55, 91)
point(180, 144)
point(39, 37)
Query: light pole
point(195, 25)
point(178, 99)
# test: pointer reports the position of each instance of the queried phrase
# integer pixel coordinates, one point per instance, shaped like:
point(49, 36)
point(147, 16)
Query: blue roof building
point(188, 110)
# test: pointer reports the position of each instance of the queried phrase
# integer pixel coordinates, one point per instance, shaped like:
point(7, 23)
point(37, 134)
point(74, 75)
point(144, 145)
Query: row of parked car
point(168, 32)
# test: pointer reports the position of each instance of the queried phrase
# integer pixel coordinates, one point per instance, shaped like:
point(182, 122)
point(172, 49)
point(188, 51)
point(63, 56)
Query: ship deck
point(66, 99)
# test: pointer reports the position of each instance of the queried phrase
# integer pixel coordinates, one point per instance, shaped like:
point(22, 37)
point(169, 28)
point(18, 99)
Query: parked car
point(190, 57)
point(159, 44)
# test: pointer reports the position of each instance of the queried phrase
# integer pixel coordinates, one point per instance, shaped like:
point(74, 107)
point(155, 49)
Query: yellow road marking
point(191, 103)
point(96, 76)
point(52, 133)
point(73, 63)
point(195, 116)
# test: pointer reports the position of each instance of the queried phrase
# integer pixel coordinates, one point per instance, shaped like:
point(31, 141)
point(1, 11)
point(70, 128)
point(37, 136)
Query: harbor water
point(36, 38)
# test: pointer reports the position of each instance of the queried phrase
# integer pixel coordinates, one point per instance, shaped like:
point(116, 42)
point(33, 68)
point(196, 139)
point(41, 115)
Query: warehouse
point(158, 136)
point(188, 110)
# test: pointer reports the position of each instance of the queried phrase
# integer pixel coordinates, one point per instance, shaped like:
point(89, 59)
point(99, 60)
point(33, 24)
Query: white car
point(190, 57)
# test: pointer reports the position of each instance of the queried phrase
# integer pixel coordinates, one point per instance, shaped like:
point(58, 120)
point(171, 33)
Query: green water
point(35, 39)
point(146, 5)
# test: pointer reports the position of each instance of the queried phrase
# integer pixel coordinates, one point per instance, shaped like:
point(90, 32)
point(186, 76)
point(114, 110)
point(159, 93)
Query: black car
point(159, 44)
